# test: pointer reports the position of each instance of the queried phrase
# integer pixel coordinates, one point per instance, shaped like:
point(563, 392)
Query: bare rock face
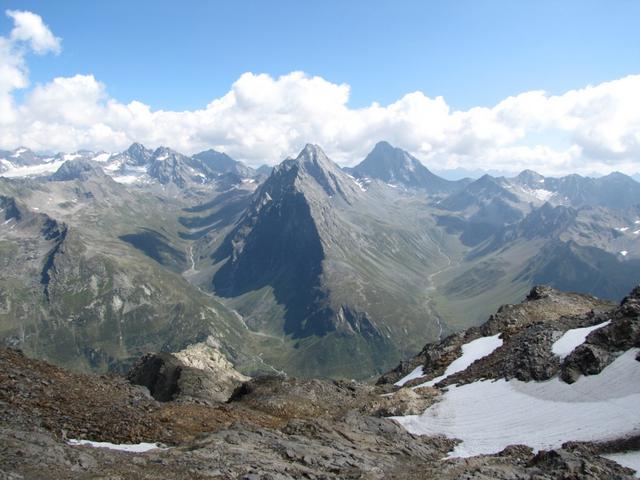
point(200, 372)
point(207, 374)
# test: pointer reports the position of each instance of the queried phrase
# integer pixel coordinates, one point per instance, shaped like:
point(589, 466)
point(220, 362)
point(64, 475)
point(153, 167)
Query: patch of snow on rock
point(135, 448)
point(571, 339)
point(416, 373)
point(490, 415)
point(622, 229)
point(18, 152)
point(472, 351)
point(624, 253)
point(542, 194)
point(127, 179)
point(102, 157)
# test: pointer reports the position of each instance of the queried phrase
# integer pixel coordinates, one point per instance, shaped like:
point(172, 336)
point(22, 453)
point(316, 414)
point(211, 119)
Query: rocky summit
point(190, 415)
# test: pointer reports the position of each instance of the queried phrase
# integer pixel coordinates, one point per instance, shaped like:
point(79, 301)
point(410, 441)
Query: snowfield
point(542, 415)
point(136, 448)
point(33, 170)
point(472, 351)
point(573, 338)
point(626, 459)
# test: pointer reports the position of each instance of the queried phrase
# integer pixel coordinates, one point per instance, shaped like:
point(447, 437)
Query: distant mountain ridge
point(320, 269)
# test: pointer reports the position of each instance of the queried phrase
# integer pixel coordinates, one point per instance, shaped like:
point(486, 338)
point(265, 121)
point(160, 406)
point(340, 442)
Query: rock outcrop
point(197, 373)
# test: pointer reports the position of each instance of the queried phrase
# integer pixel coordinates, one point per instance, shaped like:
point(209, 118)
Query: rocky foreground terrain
point(211, 422)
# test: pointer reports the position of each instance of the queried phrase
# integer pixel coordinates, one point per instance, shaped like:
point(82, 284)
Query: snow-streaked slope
point(627, 459)
point(490, 415)
point(33, 170)
point(472, 351)
point(136, 447)
point(415, 373)
point(571, 339)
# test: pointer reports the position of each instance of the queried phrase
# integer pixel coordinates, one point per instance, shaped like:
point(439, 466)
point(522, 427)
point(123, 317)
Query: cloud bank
point(262, 119)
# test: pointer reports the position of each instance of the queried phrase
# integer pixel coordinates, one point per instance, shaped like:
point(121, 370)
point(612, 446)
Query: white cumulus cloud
point(29, 27)
point(262, 119)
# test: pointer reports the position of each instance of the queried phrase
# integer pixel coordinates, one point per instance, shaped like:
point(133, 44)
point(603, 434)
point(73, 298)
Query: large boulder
point(199, 373)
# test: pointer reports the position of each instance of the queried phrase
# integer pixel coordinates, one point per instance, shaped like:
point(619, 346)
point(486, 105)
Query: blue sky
point(480, 85)
point(181, 55)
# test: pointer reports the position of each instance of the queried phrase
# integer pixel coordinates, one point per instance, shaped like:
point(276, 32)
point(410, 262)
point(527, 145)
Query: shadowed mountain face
point(575, 268)
point(158, 247)
point(278, 244)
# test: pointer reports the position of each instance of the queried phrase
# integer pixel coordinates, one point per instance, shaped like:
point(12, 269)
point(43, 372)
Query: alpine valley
point(305, 268)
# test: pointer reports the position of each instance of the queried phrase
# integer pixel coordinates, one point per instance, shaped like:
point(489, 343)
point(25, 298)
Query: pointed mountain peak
point(394, 165)
point(216, 163)
point(313, 154)
point(162, 154)
point(385, 147)
point(137, 148)
point(312, 171)
point(530, 176)
point(215, 159)
point(137, 154)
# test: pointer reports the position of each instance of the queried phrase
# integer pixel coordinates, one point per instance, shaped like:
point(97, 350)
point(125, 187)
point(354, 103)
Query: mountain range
point(306, 267)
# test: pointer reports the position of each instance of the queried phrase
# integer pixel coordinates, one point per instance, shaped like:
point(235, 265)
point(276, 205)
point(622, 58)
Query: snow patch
point(489, 415)
point(622, 229)
point(626, 459)
point(162, 157)
point(361, 184)
point(416, 373)
point(117, 303)
point(18, 152)
point(542, 194)
point(624, 253)
point(102, 157)
point(472, 351)
point(71, 156)
point(126, 179)
point(123, 447)
point(33, 170)
point(572, 339)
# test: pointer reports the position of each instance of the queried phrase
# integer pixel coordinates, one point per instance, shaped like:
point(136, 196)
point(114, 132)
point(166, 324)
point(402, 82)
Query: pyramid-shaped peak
point(383, 144)
point(529, 175)
point(311, 152)
point(136, 147)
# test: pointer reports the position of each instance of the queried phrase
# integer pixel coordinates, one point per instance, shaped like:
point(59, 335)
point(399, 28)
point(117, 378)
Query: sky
point(466, 85)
